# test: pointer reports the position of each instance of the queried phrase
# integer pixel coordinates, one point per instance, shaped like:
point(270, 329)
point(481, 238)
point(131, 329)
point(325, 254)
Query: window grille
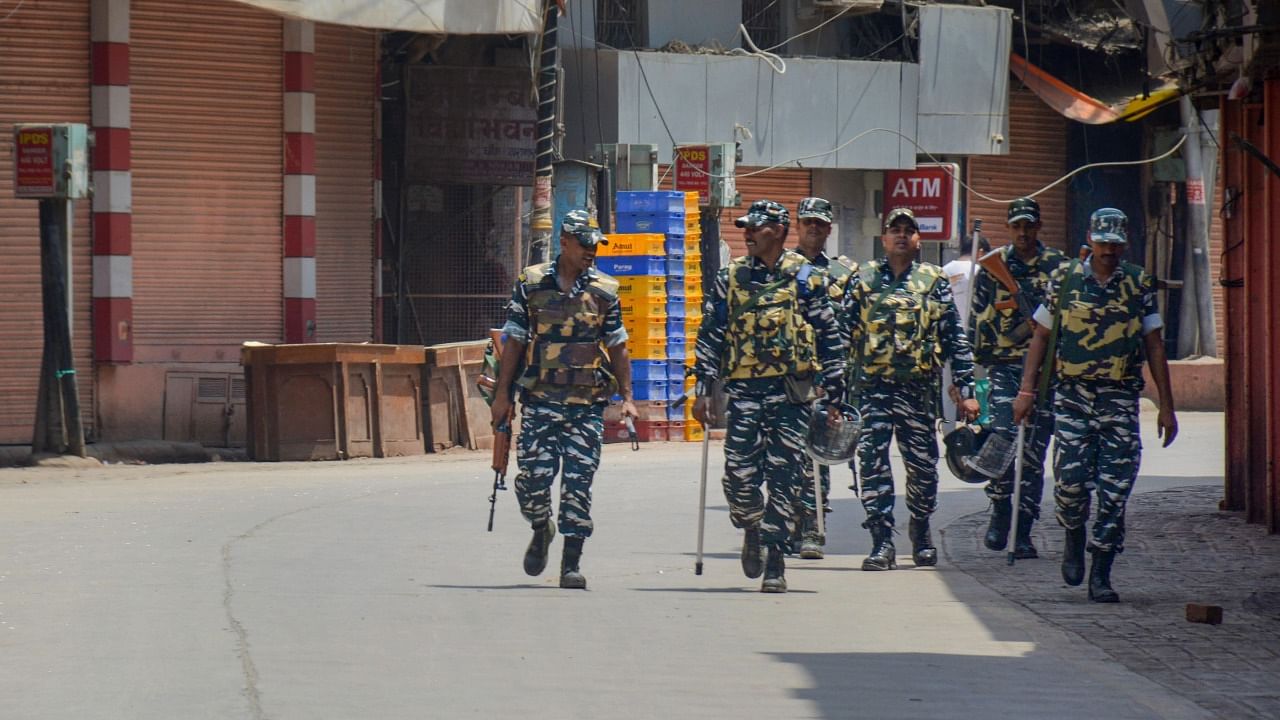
point(621, 23)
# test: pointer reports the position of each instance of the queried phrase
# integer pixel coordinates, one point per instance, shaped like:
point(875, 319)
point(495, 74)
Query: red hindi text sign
point(33, 171)
point(693, 171)
point(930, 192)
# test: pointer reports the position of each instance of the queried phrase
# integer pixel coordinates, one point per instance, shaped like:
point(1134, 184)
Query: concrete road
point(369, 589)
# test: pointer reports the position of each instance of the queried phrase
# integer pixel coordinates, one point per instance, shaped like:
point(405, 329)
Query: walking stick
point(1017, 487)
point(702, 500)
point(818, 499)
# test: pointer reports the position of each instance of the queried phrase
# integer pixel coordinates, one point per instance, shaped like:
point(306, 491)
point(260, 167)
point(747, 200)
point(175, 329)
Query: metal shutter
point(345, 62)
point(44, 77)
point(207, 177)
point(1037, 156)
point(785, 185)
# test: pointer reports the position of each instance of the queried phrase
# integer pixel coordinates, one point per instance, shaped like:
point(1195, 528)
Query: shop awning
point(451, 17)
point(1083, 108)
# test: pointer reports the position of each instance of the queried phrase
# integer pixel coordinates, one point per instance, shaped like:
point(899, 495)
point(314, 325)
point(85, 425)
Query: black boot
point(998, 529)
point(883, 556)
point(1073, 556)
point(1022, 547)
point(922, 550)
point(1100, 578)
point(774, 580)
point(535, 556)
point(752, 562)
point(810, 541)
point(570, 577)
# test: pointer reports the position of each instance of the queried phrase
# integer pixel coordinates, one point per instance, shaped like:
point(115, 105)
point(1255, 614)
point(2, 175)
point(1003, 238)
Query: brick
point(1209, 614)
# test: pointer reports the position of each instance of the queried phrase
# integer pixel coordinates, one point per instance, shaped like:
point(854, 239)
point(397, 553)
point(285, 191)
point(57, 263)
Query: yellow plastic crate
point(647, 329)
point(642, 285)
point(692, 243)
point(693, 265)
point(693, 431)
point(643, 306)
point(647, 348)
point(693, 286)
point(633, 244)
point(691, 200)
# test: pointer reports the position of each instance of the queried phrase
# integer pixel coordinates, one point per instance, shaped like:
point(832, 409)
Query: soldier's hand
point(1167, 426)
point(629, 409)
point(954, 393)
point(702, 410)
point(499, 410)
point(971, 409)
point(1022, 408)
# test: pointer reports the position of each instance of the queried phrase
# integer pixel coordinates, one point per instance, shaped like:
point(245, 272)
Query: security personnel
point(1099, 317)
point(815, 217)
point(903, 324)
point(769, 332)
point(564, 320)
point(1002, 334)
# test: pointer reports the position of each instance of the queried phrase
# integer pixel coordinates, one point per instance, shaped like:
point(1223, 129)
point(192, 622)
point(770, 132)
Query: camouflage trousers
point(764, 444)
point(808, 500)
point(1097, 446)
point(903, 410)
point(565, 439)
point(1006, 380)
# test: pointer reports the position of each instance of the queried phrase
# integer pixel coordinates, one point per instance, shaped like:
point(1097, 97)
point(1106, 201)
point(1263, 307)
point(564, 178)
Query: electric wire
point(15, 9)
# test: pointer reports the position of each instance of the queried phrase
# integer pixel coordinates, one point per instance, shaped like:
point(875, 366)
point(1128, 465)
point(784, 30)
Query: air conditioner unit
point(854, 7)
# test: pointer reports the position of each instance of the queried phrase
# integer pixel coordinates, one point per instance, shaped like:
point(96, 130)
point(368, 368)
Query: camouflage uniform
point(1099, 373)
point(895, 357)
point(563, 388)
point(790, 332)
point(997, 347)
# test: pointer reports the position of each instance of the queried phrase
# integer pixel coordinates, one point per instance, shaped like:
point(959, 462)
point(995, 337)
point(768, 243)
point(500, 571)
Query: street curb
point(132, 452)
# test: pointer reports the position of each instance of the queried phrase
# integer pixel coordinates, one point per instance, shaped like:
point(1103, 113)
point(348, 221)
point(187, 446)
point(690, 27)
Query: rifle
point(993, 262)
point(488, 384)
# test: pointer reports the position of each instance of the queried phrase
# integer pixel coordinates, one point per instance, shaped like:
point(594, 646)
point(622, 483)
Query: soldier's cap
point(1108, 225)
point(764, 211)
point(900, 213)
point(578, 224)
point(1024, 208)
point(815, 207)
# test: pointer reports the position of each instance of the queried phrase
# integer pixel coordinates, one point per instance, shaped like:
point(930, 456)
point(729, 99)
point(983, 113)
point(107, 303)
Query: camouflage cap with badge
point(1024, 208)
point(901, 213)
point(815, 207)
point(1109, 225)
point(764, 211)
point(578, 224)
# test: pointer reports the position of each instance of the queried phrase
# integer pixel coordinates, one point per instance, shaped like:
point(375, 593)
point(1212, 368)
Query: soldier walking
point(1099, 316)
point(1002, 334)
point(769, 332)
point(815, 216)
point(565, 324)
point(903, 323)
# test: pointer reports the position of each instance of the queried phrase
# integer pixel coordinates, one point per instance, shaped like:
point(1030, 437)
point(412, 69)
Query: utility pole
point(541, 222)
point(1197, 287)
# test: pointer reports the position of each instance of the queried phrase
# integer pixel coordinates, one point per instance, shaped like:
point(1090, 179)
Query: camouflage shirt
point(815, 308)
point(517, 325)
point(946, 341)
point(836, 272)
point(991, 337)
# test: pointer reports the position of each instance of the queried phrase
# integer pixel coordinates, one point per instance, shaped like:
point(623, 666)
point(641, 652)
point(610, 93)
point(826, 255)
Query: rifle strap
point(1051, 352)
point(759, 295)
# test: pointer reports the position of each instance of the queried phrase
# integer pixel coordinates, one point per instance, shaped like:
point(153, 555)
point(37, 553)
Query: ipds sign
point(932, 192)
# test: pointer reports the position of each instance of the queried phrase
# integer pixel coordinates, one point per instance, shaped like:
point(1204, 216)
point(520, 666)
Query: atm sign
point(33, 168)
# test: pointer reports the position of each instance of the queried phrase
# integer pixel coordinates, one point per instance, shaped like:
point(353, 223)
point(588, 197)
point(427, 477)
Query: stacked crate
point(654, 255)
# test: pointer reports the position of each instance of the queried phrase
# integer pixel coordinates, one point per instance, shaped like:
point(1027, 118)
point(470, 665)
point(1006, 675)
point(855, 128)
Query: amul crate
point(642, 306)
point(647, 348)
point(647, 328)
point(642, 286)
point(675, 267)
point(676, 310)
point(633, 244)
point(649, 389)
point(691, 284)
point(693, 431)
point(676, 346)
point(633, 264)
point(674, 246)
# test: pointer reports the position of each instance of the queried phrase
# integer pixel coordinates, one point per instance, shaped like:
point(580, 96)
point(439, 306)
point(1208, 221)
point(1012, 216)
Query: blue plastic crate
point(675, 286)
point(675, 413)
point(649, 389)
point(675, 267)
point(675, 311)
point(674, 246)
point(633, 264)
point(675, 375)
point(649, 370)
point(650, 201)
point(664, 223)
point(675, 326)
point(675, 346)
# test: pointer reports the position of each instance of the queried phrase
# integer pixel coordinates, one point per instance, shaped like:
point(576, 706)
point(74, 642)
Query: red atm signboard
point(932, 191)
point(693, 171)
point(33, 172)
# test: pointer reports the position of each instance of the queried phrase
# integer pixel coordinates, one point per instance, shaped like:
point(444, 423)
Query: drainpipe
point(1198, 281)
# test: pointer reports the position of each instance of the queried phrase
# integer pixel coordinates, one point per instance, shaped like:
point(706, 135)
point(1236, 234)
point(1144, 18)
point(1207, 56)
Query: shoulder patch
point(605, 285)
point(535, 273)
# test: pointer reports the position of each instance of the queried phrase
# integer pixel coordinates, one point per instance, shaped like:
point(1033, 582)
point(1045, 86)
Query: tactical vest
point(1102, 340)
point(901, 341)
point(770, 338)
point(994, 327)
point(839, 273)
point(566, 360)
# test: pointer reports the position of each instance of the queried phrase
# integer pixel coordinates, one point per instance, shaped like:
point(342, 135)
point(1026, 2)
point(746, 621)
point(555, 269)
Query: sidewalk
point(1176, 552)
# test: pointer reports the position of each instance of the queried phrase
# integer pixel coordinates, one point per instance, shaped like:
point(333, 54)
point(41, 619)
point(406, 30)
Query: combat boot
point(811, 542)
point(998, 529)
point(1073, 556)
point(1100, 578)
point(1022, 547)
point(570, 577)
point(774, 580)
point(535, 556)
point(922, 550)
point(752, 562)
point(883, 556)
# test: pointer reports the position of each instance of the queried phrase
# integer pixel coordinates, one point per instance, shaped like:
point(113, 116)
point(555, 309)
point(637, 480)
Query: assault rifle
point(488, 384)
point(993, 262)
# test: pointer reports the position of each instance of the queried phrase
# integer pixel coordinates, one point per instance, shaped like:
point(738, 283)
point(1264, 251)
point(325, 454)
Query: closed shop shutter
point(44, 77)
point(345, 62)
point(784, 185)
point(1037, 156)
point(207, 177)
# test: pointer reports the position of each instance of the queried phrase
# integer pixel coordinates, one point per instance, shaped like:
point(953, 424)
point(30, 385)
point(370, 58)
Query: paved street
point(369, 589)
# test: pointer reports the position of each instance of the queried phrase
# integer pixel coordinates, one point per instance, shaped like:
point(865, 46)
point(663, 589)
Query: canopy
point(1081, 107)
point(451, 17)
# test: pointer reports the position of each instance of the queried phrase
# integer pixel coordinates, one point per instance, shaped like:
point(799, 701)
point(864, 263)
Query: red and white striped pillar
point(299, 182)
point(112, 182)
point(377, 202)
